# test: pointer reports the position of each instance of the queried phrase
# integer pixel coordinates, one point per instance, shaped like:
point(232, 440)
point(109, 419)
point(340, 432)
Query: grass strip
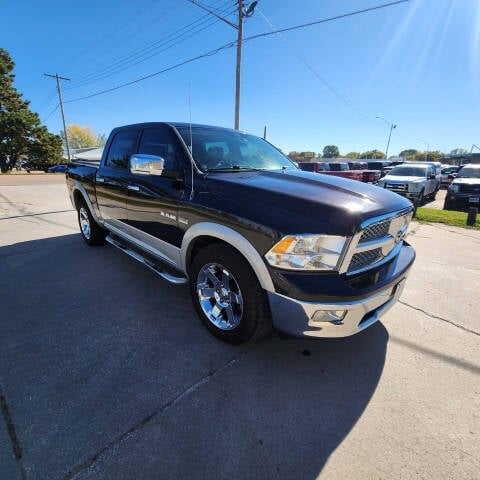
point(448, 217)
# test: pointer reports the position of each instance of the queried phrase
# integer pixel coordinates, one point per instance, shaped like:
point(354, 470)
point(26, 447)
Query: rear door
point(113, 176)
point(152, 205)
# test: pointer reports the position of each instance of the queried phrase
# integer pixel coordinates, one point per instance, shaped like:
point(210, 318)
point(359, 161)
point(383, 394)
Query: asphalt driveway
point(105, 371)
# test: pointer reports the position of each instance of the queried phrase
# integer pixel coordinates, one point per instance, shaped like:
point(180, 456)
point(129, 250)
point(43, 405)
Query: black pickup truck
point(260, 242)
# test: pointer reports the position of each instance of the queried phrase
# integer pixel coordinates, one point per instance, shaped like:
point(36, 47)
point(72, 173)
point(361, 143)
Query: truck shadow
point(125, 382)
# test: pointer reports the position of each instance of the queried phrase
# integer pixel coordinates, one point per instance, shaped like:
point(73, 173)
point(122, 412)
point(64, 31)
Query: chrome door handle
point(100, 180)
point(134, 188)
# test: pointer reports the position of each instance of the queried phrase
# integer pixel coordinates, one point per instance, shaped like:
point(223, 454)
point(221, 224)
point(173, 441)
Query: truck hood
point(466, 181)
point(398, 179)
point(295, 201)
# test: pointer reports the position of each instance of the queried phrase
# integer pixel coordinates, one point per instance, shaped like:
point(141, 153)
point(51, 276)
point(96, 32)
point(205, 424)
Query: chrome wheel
point(219, 296)
point(84, 223)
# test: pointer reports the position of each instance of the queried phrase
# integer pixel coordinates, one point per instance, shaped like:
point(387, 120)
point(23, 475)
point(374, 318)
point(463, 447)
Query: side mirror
point(431, 176)
point(143, 164)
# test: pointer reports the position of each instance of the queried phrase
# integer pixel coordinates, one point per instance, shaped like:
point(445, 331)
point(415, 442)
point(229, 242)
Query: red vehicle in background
point(341, 169)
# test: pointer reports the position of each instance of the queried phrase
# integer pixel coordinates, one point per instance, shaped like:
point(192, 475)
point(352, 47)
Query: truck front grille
point(364, 259)
point(376, 230)
point(376, 241)
point(397, 187)
point(466, 188)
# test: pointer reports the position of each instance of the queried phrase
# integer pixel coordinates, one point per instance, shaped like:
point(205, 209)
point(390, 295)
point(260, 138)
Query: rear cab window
point(124, 144)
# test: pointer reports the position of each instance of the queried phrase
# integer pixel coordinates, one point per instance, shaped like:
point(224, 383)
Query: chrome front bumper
point(297, 318)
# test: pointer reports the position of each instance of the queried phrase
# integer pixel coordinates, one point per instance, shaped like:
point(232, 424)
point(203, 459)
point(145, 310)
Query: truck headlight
point(454, 188)
point(415, 187)
point(307, 252)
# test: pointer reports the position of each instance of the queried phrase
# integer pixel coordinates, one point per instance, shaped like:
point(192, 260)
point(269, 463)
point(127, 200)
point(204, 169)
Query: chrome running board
point(150, 265)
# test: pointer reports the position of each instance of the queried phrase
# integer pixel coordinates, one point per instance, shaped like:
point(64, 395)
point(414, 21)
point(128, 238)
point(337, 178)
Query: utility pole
point(58, 78)
point(392, 126)
point(239, 64)
point(242, 14)
point(265, 132)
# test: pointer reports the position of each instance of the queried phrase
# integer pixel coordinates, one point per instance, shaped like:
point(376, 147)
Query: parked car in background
point(31, 166)
point(414, 181)
point(313, 166)
point(447, 174)
point(379, 165)
point(358, 165)
point(341, 169)
point(464, 191)
point(58, 168)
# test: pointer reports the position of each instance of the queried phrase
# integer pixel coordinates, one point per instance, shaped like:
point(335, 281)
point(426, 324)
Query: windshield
point(221, 150)
point(469, 172)
point(408, 172)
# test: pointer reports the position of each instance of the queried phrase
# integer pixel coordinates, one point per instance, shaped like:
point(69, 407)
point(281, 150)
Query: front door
point(152, 205)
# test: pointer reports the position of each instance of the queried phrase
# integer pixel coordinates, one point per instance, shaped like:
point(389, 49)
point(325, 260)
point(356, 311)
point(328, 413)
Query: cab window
point(122, 147)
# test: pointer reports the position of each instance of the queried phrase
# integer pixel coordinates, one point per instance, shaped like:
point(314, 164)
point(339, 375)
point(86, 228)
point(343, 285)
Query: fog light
point(330, 316)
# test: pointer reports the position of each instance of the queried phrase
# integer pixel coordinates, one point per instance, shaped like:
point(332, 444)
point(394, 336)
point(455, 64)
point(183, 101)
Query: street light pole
point(428, 148)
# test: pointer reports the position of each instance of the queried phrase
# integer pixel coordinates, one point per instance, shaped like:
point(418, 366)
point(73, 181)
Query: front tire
point(91, 231)
point(227, 295)
point(420, 198)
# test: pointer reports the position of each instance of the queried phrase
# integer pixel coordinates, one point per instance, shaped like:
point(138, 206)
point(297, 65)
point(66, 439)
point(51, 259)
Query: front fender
point(233, 238)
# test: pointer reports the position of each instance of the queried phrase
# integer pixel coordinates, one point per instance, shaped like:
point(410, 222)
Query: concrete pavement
point(107, 372)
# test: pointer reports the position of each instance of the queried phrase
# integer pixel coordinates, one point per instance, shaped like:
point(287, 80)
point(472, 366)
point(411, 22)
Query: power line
point(51, 113)
point(108, 35)
point(231, 44)
point(325, 20)
point(312, 69)
point(135, 57)
point(208, 54)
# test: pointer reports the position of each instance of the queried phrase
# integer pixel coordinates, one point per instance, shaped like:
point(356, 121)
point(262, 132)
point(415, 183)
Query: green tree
point(353, 155)
point(434, 156)
point(408, 154)
point(101, 139)
point(376, 154)
point(458, 151)
point(331, 151)
point(45, 148)
point(20, 130)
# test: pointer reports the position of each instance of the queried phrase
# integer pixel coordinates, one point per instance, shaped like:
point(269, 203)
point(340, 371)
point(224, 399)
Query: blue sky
point(416, 64)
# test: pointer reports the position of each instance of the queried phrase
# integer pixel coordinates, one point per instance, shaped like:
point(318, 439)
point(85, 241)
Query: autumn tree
point(331, 151)
point(21, 132)
point(80, 137)
point(353, 155)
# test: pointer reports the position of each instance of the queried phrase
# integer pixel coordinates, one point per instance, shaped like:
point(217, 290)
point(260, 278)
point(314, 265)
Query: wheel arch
point(79, 193)
point(209, 232)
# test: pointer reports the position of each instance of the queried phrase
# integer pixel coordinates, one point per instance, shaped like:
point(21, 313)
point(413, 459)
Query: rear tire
point(91, 231)
point(227, 295)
